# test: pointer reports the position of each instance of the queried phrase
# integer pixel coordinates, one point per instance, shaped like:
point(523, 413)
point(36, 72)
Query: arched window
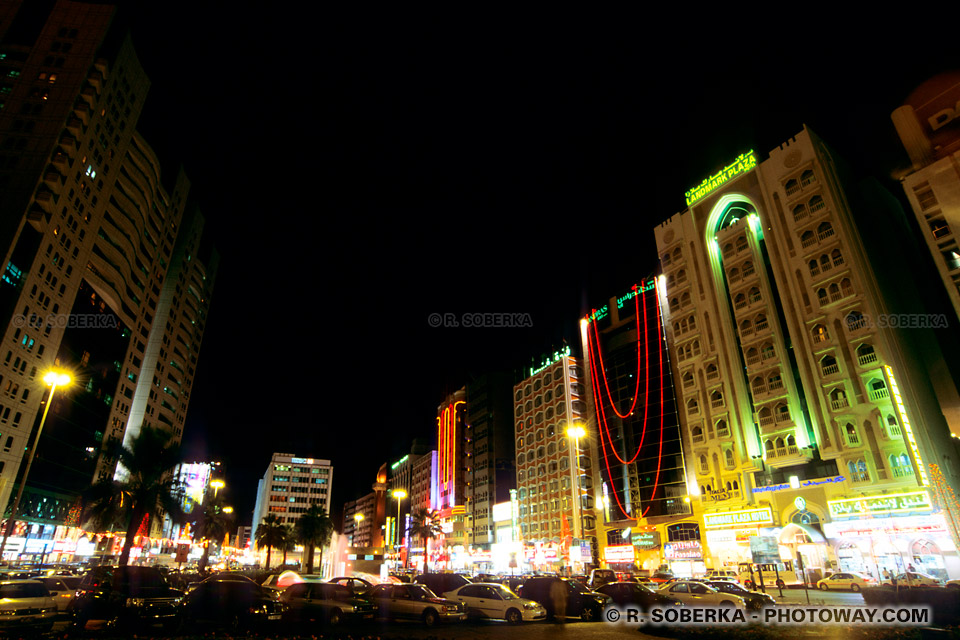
point(791, 444)
point(836, 257)
point(858, 471)
point(791, 187)
point(824, 230)
point(741, 244)
point(838, 398)
point(846, 287)
point(757, 385)
point(665, 259)
point(866, 354)
point(728, 249)
point(825, 264)
point(820, 333)
point(814, 267)
point(760, 322)
point(753, 356)
point(765, 415)
point(852, 437)
point(688, 379)
point(734, 275)
point(855, 320)
point(747, 269)
point(739, 301)
point(816, 204)
point(697, 434)
point(692, 406)
point(681, 276)
point(722, 429)
point(834, 290)
point(728, 458)
point(799, 212)
point(877, 389)
point(768, 448)
point(716, 399)
point(782, 412)
point(828, 365)
point(677, 253)
point(753, 295)
point(893, 427)
point(693, 322)
point(822, 297)
point(704, 466)
point(807, 178)
point(774, 382)
point(746, 328)
point(767, 351)
point(807, 239)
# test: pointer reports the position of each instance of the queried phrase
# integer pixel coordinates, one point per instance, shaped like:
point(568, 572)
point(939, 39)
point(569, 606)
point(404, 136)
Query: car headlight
point(48, 610)
point(8, 612)
point(531, 606)
point(134, 602)
point(450, 607)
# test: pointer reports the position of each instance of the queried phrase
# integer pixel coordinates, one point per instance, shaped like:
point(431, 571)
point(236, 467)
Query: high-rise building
point(641, 475)
point(554, 480)
point(805, 379)
point(401, 479)
point(104, 272)
point(451, 477)
point(290, 486)
point(491, 468)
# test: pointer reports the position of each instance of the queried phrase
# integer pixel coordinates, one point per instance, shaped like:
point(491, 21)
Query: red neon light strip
point(603, 370)
point(656, 480)
point(596, 388)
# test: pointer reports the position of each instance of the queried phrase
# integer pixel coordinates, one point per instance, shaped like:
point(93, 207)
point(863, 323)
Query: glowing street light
point(53, 379)
point(228, 510)
point(217, 485)
point(576, 431)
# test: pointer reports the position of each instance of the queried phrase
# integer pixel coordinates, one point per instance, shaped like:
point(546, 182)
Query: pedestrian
point(910, 568)
point(886, 575)
point(558, 598)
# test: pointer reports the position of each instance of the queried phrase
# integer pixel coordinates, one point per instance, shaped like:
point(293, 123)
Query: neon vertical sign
point(902, 410)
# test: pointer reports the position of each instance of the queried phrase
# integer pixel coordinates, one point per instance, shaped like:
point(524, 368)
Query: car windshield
point(576, 586)
point(505, 592)
point(23, 590)
point(419, 592)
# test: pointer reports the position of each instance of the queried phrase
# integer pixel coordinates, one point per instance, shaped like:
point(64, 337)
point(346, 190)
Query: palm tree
point(270, 534)
point(289, 542)
point(314, 529)
point(142, 490)
point(425, 525)
point(212, 526)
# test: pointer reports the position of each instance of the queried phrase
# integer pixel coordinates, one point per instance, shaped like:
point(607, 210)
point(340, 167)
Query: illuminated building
point(401, 477)
point(640, 480)
point(101, 249)
point(554, 509)
point(491, 469)
point(290, 486)
point(796, 389)
point(451, 480)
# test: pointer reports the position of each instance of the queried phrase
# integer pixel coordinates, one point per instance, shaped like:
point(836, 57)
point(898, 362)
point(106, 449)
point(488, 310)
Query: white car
point(914, 579)
point(491, 600)
point(722, 574)
point(698, 594)
point(845, 580)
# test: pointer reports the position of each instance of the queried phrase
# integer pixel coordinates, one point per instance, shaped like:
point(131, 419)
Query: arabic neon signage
point(897, 400)
point(880, 504)
point(744, 162)
point(619, 553)
point(749, 516)
point(604, 311)
point(556, 357)
point(805, 484)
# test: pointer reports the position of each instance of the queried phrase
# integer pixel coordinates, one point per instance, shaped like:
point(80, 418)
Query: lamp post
point(216, 485)
point(399, 494)
point(54, 379)
point(357, 519)
point(576, 431)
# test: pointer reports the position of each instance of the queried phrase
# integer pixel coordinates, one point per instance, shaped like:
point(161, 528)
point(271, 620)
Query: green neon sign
point(880, 504)
point(744, 162)
point(556, 357)
point(399, 462)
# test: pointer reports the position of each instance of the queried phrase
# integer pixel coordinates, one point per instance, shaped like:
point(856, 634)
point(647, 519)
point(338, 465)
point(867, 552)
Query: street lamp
point(217, 485)
point(357, 519)
point(54, 379)
point(228, 510)
point(576, 431)
point(399, 494)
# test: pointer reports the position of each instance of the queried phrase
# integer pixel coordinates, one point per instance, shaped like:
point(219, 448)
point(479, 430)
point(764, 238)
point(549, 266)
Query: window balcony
point(753, 360)
point(902, 472)
point(783, 417)
point(830, 369)
point(740, 305)
point(792, 450)
point(867, 358)
point(818, 205)
point(839, 403)
point(765, 421)
point(716, 404)
point(826, 233)
point(853, 439)
point(858, 324)
point(723, 433)
point(761, 326)
point(809, 242)
point(781, 451)
point(879, 394)
point(775, 385)
point(698, 438)
point(713, 375)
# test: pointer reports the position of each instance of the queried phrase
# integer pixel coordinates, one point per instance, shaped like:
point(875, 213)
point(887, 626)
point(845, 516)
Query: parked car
point(755, 600)
point(722, 574)
point(845, 580)
point(415, 602)
point(699, 594)
point(25, 605)
point(661, 577)
point(442, 584)
point(356, 586)
point(62, 589)
point(633, 594)
point(600, 577)
point(330, 604)
point(492, 600)
point(581, 601)
point(233, 604)
point(914, 579)
point(126, 597)
point(513, 582)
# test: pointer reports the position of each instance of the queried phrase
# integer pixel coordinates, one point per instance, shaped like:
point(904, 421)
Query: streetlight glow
point(399, 494)
point(576, 431)
point(228, 509)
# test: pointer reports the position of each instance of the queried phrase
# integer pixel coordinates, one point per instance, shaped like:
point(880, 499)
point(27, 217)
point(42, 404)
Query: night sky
point(360, 172)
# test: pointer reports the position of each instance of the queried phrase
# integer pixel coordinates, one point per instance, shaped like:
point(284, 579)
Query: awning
point(788, 533)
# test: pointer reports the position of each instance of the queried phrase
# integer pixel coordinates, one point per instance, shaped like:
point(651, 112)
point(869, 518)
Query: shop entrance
point(927, 559)
point(851, 560)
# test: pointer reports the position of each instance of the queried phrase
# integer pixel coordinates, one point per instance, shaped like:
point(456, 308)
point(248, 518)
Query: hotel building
point(555, 481)
point(807, 414)
point(290, 486)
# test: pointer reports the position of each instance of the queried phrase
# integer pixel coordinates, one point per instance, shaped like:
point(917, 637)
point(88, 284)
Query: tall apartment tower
point(554, 480)
point(401, 477)
point(92, 235)
point(642, 472)
point(808, 415)
point(290, 486)
point(491, 469)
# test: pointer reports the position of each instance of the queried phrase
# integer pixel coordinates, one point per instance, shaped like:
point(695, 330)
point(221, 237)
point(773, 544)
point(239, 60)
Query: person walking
point(558, 598)
point(886, 575)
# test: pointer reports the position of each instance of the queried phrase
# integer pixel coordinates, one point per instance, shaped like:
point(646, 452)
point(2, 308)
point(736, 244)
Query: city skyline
point(406, 152)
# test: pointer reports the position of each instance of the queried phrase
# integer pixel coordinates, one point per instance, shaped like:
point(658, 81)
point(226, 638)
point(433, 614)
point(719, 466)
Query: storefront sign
point(683, 550)
point(806, 484)
point(742, 164)
point(646, 539)
point(720, 496)
point(880, 504)
point(619, 553)
point(749, 516)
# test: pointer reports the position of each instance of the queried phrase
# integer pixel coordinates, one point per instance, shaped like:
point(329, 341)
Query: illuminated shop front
point(683, 551)
point(892, 532)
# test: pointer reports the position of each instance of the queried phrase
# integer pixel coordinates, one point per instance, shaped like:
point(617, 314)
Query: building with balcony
point(290, 486)
point(799, 389)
